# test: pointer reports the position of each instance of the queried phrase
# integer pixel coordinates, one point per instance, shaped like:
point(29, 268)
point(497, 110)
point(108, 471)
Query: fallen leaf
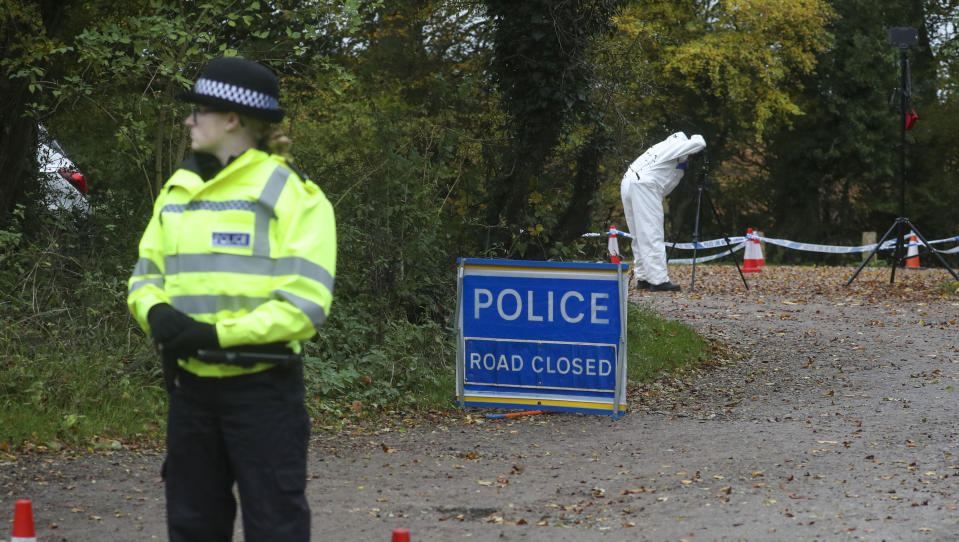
point(642, 489)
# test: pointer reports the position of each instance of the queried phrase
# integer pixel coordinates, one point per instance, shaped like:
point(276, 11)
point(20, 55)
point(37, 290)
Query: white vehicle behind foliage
point(66, 186)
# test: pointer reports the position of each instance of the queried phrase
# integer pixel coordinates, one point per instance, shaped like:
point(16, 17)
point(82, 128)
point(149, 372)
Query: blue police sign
point(542, 334)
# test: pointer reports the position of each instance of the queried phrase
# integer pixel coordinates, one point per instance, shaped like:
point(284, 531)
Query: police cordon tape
point(739, 243)
point(700, 259)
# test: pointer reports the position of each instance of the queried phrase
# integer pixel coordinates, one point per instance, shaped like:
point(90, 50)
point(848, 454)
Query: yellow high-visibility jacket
point(252, 250)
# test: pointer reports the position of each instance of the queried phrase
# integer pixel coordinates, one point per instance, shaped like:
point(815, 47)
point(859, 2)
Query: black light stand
point(902, 37)
point(700, 195)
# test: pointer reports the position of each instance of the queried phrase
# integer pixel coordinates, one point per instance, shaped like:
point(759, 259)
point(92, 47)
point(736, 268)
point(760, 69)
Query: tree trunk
point(576, 218)
point(18, 123)
point(18, 146)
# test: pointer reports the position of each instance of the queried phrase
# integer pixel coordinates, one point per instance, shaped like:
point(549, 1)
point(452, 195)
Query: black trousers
point(252, 430)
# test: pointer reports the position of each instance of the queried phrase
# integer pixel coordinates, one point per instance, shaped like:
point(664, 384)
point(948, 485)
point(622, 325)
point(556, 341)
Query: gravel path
point(833, 417)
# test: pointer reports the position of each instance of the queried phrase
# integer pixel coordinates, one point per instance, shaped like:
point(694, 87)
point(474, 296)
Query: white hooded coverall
point(649, 179)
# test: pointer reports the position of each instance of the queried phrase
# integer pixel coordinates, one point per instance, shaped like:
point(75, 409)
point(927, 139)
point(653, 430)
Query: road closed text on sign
point(541, 334)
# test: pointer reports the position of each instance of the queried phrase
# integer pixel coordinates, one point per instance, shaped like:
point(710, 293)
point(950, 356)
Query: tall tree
point(541, 70)
point(729, 70)
point(27, 51)
point(398, 148)
point(834, 172)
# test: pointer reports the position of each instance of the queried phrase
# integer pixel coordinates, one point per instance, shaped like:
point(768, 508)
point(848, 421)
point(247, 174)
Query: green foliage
point(128, 66)
point(656, 346)
point(346, 364)
point(730, 71)
point(541, 66)
point(834, 173)
point(748, 58)
point(27, 48)
point(71, 371)
point(730, 66)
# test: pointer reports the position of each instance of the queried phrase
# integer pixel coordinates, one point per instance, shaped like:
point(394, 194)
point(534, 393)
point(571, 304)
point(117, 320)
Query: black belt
point(249, 355)
point(242, 356)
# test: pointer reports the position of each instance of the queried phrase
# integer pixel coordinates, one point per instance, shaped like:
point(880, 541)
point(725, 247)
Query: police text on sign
point(572, 306)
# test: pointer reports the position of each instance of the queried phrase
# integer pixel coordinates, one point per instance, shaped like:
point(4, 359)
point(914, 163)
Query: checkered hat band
point(235, 94)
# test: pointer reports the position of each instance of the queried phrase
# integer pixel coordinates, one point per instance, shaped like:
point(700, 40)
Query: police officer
point(239, 255)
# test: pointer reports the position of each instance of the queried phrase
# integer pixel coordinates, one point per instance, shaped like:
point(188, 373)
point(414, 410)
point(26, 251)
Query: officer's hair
point(269, 137)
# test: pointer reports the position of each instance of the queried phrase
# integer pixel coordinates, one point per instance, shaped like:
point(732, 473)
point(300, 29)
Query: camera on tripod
point(903, 36)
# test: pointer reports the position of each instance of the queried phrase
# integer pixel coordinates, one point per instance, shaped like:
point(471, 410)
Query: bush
point(75, 370)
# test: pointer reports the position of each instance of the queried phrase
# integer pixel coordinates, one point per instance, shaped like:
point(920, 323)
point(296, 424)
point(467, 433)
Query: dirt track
point(835, 418)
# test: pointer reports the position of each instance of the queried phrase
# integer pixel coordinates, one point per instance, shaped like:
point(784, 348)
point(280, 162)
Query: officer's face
point(207, 129)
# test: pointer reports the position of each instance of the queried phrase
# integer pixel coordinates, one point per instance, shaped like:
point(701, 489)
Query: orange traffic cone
point(401, 535)
point(753, 257)
point(613, 245)
point(912, 255)
point(23, 522)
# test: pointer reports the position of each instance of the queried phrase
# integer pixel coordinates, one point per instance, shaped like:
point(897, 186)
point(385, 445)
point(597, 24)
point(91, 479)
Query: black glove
point(166, 322)
point(195, 335)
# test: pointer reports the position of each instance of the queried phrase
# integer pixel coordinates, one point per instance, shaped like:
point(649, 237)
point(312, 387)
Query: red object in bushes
point(75, 178)
point(911, 118)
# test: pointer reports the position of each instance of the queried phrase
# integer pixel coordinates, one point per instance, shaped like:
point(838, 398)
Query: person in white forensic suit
point(648, 180)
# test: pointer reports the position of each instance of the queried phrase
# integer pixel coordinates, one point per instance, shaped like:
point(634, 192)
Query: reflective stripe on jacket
point(252, 250)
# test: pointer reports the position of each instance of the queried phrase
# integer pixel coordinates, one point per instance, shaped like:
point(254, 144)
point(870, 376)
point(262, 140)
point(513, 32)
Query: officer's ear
point(233, 121)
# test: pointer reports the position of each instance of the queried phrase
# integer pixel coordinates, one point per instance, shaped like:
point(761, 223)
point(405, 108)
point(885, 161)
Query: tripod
point(902, 37)
point(700, 195)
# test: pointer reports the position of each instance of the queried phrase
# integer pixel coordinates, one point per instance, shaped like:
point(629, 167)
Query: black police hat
point(240, 85)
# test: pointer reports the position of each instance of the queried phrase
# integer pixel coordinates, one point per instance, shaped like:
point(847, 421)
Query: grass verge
point(55, 397)
point(948, 288)
point(656, 345)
